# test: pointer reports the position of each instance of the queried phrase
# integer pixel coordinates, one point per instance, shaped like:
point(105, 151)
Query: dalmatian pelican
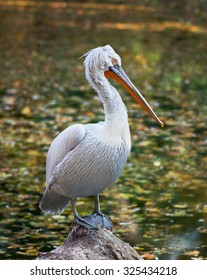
point(83, 160)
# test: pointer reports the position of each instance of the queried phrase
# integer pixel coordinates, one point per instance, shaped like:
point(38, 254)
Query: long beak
point(117, 73)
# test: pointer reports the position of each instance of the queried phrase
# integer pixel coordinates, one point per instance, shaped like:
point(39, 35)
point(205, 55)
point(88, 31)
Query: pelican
point(83, 160)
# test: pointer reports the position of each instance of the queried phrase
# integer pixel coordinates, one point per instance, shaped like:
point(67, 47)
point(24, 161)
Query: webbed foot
point(87, 223)
point(94, 221)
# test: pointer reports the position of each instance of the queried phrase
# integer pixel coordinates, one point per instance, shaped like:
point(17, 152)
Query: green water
point(159, 204)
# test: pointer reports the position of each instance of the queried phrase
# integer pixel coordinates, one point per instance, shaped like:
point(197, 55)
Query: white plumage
point(83, 160)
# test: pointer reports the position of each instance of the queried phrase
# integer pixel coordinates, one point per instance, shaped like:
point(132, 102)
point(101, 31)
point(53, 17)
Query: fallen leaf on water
point(157, 163)
point(4, 176)
point(194, 253)
point(144, 143)
point(202, 229)
point(26, 111)
point(148, 256)
point(181, 205)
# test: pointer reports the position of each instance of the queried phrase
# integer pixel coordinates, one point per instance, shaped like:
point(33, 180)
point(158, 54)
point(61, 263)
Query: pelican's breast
point(93, 165)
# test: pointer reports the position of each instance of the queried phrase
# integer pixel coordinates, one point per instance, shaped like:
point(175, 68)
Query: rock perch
point(85, 244)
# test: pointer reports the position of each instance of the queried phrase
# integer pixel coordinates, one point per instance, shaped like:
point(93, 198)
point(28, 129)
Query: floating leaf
point(26, 111)
point(194, 253)
point(181, 206)
point(148, 256)
point(202, 229)
point(157, 163)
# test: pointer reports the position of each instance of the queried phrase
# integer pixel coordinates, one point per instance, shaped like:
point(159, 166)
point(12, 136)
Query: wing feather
point(67, 140)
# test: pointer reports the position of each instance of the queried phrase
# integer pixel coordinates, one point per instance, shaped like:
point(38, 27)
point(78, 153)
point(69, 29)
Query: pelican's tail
point(53, 202)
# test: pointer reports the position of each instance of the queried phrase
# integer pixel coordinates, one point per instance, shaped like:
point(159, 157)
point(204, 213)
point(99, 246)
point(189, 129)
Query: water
point(158, 204)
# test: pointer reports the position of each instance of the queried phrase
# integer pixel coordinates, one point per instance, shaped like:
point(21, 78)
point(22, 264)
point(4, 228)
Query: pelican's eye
point(114, 61)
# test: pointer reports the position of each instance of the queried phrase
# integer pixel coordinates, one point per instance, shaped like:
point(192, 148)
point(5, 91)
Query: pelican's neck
point(114, 108)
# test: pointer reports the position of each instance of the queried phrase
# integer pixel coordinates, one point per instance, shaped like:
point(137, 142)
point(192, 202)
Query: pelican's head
point(106, 62)
point(100, 59)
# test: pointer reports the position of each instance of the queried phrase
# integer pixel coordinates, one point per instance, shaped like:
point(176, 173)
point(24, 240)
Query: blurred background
point(159, 204)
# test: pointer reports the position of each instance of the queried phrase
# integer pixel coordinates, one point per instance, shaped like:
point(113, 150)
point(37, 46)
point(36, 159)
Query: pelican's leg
point(97, 208)
point(79, 220)
point(106, 222)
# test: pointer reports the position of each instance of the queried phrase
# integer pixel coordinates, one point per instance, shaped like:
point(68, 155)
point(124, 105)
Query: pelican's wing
point(67, 140)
